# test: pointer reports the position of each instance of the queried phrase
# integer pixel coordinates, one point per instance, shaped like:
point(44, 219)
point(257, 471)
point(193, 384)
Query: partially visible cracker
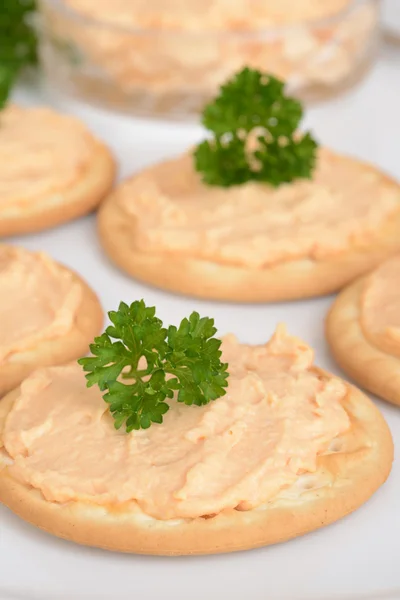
point(292, 279)
point(369, 366)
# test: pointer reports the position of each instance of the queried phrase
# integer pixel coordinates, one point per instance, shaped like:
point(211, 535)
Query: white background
point(355, 558)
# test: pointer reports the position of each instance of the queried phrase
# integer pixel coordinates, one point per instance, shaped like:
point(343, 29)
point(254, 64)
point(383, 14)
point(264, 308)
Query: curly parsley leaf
point(18, 42)
point(226, 163)
point(148, 364)
point(255, 134)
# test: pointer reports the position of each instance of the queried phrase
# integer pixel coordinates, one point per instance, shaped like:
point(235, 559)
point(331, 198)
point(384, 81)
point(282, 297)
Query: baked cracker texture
point(359, 462)
point(294, 279)
point(57, 351)
point(371, 367)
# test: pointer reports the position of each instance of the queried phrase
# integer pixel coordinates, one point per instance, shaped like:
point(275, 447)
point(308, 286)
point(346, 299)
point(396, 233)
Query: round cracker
point(88, 323)
point(290, 280)
point(371, 367)
point(361, 465)
point(93, 184)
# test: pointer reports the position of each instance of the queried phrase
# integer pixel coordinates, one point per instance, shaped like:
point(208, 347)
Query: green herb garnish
point(18, 42)
point(189, 355)
point(255, 134)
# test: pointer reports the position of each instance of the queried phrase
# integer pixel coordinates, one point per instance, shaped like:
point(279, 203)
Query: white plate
point(353, 559)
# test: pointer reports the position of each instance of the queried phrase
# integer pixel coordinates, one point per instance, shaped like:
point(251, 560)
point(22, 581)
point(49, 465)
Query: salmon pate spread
point(42, 154)
point(38, 301)
point(255, 225)
point(309, 43)
point(240, 451)
point(207, 14)
point(380, 307)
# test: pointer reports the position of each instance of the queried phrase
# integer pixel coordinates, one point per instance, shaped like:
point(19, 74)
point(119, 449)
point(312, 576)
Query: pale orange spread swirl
point(41, 153)
point(38, 301)
point(204, 15)
point(256, 225)
point(239, 451)
point(380, 307)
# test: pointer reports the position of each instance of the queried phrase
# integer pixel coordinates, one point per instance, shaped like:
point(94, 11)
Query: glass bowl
point(140, 57)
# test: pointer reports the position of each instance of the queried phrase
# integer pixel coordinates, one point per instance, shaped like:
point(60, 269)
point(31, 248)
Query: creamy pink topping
point(38, 301)
point(41, 153)
point(380, 307)
point(208, 14)
point(239, 451)
point(256, 225)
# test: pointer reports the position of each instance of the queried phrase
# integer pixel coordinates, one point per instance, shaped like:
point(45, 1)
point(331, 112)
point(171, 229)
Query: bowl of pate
point(168, 59)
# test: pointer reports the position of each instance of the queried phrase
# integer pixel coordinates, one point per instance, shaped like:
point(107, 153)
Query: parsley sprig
point(18, 42)
point(255, 134)
point(183, 361)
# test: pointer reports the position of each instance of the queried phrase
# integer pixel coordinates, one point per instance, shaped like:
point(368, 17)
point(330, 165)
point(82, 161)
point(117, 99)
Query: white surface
point(391, 16)
point(355, 558)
